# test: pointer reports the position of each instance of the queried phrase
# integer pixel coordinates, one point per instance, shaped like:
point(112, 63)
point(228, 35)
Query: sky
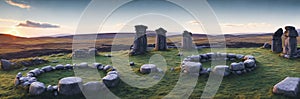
point(33, 18)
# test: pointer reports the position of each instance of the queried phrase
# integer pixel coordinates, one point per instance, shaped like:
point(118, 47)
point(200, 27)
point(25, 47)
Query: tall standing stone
point(290, 42)
point(161, 41)
point(187, 41)
point(277, 41)
point(140, 42)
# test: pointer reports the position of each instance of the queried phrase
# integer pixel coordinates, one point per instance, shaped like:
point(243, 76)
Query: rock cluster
point(8, 65)
point(68, 85)
point(192, 64)
point(290, 86)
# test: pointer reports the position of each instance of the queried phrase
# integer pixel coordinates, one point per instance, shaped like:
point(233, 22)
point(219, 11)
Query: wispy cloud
point(18, 4)
point(194, 22)
point(247, 25)
point(37, 25)
point(10, 20)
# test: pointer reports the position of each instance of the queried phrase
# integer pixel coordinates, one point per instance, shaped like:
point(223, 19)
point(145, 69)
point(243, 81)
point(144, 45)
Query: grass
point(257, 84)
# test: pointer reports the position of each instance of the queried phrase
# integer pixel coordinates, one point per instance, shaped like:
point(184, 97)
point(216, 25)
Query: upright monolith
point(290, 42)
point(277, 41)
point(140, 42)
point(187, 41)
point(161, 41)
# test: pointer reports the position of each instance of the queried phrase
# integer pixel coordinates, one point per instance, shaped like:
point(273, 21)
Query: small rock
point(24, 69)
point(148, 68)
point(55, 61)
point(59, 67)
point(50, 88)
point(112, 72)
point(131, 63)
point(267, 46)
point(68, 66)
point(47, 68)
point(35, 72)
point(107, 67)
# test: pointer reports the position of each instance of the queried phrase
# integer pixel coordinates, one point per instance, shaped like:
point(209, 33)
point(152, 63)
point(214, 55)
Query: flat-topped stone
point(289, 87)
point(219, 70)
point(111, 80)
point(191, 67)
point(70, 85)
point(148, 68)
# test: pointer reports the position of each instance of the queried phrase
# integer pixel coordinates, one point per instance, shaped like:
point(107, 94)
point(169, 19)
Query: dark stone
point(107, 67)
point(47, 68)
point(131, 63)
point(111, 80)
point(266, 46)
point(148, 68)
point(6, 65)
point(59, 67)
point(237, 66)
point(68, 66)
point(35, 72)
point(70, 86)
point(289, 87)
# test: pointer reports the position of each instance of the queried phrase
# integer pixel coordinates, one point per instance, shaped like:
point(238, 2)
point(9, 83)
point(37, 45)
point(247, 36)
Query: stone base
point(289, 86)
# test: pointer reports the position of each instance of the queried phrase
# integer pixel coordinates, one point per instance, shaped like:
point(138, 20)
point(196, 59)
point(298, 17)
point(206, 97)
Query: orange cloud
point(18, 4)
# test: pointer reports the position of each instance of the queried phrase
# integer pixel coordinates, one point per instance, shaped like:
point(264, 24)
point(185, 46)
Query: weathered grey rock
point(131, 63)
point(25, 84)
point(218, 70)
point(17, 81)
point(187, 41)
point(55, 88)
point(32, 79)
point(249, 57)
point(204, 56)
point(36, 88)
point(97, 65)
point(111, 80)
point(289, 87)
point(80, 53)
point(68, 66)
point(161, 41)
point(237, 66)
point(277, 41)
point(240, 56)
point(35, 72)
point(59, 67)
point(107, 67)
point(24, 79)
point(93, 52)
point(266, 46)
point(290, 42)
point(30, 74)
point(231, 55)
point(19, 75)
point(148, 68)
point(50, 88)
point(82, 65)
point(192, 67)
point(6, 65)
point(112, 72)
point(249, 63)
point(140, 41)
point(70, 86)
point(47, 68)
point(195, 58)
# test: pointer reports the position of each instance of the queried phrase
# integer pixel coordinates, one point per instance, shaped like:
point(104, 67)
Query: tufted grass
point(257, 84)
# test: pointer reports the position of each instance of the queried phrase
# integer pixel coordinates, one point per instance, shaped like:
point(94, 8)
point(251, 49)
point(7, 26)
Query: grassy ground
point(257, 84)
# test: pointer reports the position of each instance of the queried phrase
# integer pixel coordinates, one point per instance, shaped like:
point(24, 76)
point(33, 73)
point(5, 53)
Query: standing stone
point(140, 41)
point(6, 64)
point(187, 40)
point(277, 41)
point(161, 41)
point(37, 88)
point(70, 85)
point(290, 42)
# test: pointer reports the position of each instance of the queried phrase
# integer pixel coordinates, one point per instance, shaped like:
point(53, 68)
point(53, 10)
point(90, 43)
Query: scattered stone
point(59, 67)
point(70, 86)
point(192, 67)
point(249, 57)
point(231, 55)
point(289, 87)
point(112, 72)
point(195, 58)
point(68, 66)
point(266, 46)
point(111, 80)
point(55, 61)
point(47, 68)
point(131, 63)
point(82, 65)
point(240, 56)
point(6, 65)
point(148, 68)
point(219, 70)
point(36, 88)
point(107, 67)
point(25, 68)
point(237, 66)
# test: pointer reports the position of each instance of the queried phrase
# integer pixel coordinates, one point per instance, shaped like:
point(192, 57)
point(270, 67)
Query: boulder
point(6, 65)
point(107, 67)
point(36, 88)
point(97, 65)
point(47, 68)
point(218, 70)
point(69, 85)
point(148, 68)
point(112, 72)
point(35, 72)
point(68, 66)
point(249, 63)
point(82, 65)
point(267, 46)
point(192, 67)
point(237, 66)
point(289, 87)
point(111, 80)
point(59, 67)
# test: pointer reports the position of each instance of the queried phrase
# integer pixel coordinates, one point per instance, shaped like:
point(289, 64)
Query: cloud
point(18, 4)
point(37, 25)
point(249, 25)
point(194, 22)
